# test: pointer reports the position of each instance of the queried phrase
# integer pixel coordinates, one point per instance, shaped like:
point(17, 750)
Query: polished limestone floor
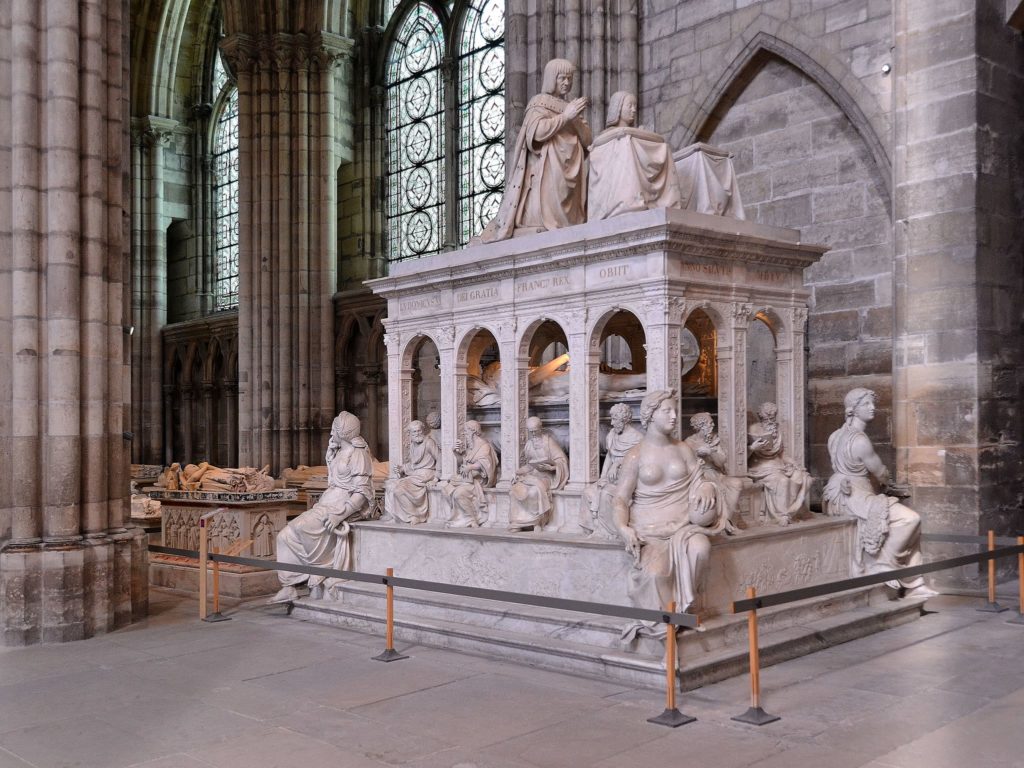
point(265, 690)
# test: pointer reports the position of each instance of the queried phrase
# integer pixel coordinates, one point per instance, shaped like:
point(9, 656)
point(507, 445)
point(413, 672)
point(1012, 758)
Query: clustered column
point(69, 568)
point(287, 243)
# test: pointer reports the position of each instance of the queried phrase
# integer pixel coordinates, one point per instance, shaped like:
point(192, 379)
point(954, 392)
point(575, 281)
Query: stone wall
point(801, 164)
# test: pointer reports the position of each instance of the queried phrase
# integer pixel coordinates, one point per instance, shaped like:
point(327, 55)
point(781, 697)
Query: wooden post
point(992, 606)
point(216, 582)
point(671, 717)
point(754, 715)
point(991, 567)
point(233, 549)
point(1019, 618)
point(1020, 576)
point(671, 665)
point(202, 566)
point(389, 653)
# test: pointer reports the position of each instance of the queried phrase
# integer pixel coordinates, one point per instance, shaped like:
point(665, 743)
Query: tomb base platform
point(549, 564)
point(256, 517)
point(237, 582)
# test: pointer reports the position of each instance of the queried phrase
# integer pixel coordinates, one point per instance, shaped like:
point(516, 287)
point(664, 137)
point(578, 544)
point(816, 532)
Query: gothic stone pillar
point(68, 567)
point(287, 240)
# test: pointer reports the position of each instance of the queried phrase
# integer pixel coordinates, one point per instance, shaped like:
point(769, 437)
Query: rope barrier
point(688, 620)
point(672, 717)
point(781, 598)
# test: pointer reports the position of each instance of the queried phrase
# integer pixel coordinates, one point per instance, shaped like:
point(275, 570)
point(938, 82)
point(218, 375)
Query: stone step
point(588, 645)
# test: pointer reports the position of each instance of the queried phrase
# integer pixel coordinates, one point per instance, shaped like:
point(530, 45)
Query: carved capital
point(741, 312)
point(153, 131)
point(202, 111)
point(240, 53)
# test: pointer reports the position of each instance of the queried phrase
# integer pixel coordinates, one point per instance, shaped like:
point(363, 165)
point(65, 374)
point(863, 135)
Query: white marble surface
point(560, 565)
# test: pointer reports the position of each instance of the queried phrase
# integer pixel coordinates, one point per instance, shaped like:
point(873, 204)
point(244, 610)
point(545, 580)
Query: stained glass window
point(415, 137)
point(481, 96)
point(225, 195)
point(418, 121)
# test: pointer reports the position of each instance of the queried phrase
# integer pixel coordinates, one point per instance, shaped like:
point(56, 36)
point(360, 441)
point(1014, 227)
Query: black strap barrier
point(579, 606)
point(781, 598)
point(957, 538)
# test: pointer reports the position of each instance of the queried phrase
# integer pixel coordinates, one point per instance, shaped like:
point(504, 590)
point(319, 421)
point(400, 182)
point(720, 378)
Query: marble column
point(287, 91)
point(732, 385)
point(584, 429)
point(69, 568)
point(150, 136)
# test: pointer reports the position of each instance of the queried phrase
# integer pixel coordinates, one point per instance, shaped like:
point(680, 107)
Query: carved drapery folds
point(287, 89)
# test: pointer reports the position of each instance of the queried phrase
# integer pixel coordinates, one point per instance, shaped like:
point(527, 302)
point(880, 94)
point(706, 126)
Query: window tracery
point(445, 82)
point(225, 190)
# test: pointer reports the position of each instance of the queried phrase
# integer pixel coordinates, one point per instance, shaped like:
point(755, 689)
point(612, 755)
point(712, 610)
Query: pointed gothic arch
point(761, 49)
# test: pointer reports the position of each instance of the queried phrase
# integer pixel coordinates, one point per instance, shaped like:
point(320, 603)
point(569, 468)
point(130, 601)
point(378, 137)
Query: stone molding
point(283, 51)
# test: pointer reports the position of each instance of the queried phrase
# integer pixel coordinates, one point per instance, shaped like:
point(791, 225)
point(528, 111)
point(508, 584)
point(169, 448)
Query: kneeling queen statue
point(319, 536)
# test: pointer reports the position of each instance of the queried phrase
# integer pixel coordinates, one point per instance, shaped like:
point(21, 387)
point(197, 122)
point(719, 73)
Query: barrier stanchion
point(389, 653)
point(203, 560)
point(1019, 618)
point(236, 548)
point(754, 715)
point(671, 717)
point(992, 606)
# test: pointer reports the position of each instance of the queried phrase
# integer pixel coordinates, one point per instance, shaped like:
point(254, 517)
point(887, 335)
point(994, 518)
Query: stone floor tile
point(82, 742)
point(346, 683)
point(7, 760)
point(179, 760)
point(182, 724)
point(498, 706)
point(812, 756)
point(582, 740)
point(460, 757)
point(60, 697)
point(283, 749)
point(380, 739)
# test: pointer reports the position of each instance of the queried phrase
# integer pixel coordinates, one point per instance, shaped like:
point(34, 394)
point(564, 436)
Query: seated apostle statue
point(783, 483)
point(707, 445)
point(888, 533)
point(597, 507)
point(666, 507)
point(631, 169)
point(405, 496)
point(546, 186)
point(478, 469)
point(319, 536)
point(543, 467)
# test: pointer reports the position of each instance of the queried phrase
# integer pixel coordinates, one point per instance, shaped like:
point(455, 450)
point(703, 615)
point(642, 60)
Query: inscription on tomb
point(709, 270)
point(533, 285)
point(418, 304)
point(465, 296)
point(768, 276)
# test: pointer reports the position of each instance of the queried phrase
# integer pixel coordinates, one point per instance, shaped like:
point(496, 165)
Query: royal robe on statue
point(547, 187)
